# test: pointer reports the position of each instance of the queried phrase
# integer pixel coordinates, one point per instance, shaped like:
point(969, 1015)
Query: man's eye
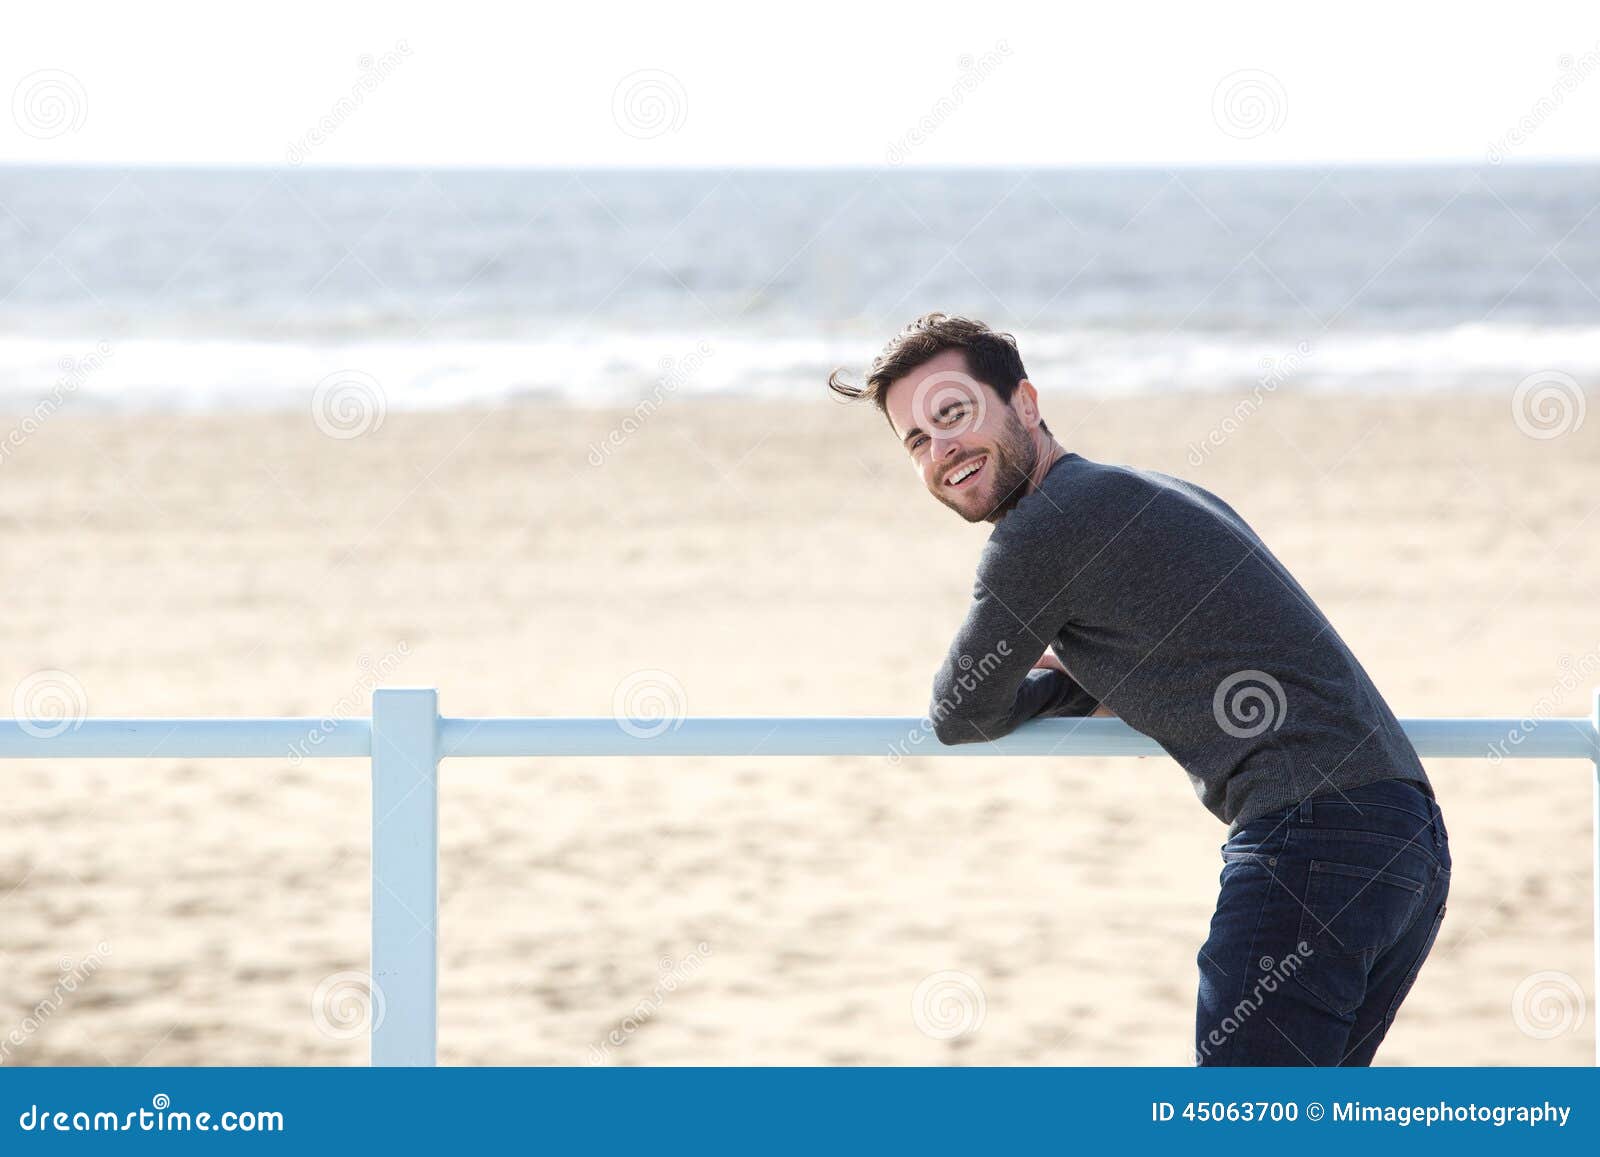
point(916, 443)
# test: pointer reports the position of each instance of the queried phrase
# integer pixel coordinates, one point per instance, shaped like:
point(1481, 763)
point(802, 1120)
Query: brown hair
point(991, 358)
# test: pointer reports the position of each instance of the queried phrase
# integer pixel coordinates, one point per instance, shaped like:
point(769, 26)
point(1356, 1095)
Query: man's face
point(974, 453)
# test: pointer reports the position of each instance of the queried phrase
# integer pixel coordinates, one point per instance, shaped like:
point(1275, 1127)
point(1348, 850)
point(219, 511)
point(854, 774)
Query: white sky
point(817, 82)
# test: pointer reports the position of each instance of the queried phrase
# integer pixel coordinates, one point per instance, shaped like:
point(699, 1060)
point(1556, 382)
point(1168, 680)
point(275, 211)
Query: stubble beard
point(1011, 463)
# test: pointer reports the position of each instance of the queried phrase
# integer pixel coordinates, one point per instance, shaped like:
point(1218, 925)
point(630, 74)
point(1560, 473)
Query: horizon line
point(836, 167)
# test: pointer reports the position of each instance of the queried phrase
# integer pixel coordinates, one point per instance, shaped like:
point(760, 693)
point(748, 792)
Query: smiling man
point(1109, 589)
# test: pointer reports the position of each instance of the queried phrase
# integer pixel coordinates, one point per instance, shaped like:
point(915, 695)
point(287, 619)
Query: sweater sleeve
point(987, 686)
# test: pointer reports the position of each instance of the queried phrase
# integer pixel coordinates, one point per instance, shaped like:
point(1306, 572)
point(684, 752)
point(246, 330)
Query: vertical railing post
point(1595, 738)
point(405, 875)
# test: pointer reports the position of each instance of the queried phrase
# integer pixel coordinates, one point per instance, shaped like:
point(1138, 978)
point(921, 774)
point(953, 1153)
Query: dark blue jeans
point(1326, 913)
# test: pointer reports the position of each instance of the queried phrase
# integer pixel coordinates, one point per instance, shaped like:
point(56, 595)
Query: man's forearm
point(962, 713)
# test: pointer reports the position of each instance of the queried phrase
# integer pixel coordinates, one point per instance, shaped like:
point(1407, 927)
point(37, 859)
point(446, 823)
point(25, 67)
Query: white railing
point(406, 738)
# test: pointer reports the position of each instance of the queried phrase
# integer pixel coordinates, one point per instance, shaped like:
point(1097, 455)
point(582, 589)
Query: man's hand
point(1049, 662)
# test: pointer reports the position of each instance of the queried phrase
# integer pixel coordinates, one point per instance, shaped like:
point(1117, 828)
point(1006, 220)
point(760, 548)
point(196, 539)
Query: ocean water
point(136, 288)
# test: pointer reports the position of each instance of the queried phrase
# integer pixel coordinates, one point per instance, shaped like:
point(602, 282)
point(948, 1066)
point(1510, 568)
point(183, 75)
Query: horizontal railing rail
point(247, 738)
point(406, 738)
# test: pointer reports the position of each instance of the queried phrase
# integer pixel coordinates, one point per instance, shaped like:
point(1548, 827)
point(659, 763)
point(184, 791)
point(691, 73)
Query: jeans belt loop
point(1305, 810)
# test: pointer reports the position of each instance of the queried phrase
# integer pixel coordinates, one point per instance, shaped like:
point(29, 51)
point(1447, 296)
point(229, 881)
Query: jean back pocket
point(1350, 914)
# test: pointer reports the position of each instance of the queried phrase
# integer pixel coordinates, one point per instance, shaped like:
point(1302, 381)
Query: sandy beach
point(750, 558)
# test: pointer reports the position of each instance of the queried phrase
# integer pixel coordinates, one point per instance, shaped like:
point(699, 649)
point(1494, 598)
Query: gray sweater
point(1167, 608)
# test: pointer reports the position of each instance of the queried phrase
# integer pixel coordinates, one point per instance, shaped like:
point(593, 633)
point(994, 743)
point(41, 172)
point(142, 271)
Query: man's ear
point(1026, 402)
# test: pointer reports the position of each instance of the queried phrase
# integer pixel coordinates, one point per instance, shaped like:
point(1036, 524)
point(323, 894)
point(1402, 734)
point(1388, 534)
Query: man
point(1151, 598)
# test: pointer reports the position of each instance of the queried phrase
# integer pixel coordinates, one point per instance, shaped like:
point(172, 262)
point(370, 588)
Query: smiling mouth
point(963, 475)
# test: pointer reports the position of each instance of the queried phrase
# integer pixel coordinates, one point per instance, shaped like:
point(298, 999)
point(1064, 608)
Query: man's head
point(956, 395)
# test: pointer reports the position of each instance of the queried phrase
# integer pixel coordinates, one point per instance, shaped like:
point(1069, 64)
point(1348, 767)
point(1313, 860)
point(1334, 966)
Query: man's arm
point(1050, 661)
point(987, 685)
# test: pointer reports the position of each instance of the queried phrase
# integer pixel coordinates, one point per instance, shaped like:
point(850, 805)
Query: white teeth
point(963, 474)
